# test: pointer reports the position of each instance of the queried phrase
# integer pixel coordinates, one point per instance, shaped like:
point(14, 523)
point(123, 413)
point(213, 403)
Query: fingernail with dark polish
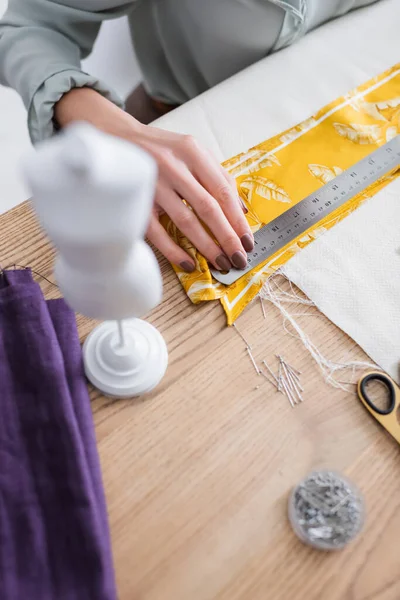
point(239, 260)
point(248, 242)
point(244, 207)
point(187, 266)
point(223, 262)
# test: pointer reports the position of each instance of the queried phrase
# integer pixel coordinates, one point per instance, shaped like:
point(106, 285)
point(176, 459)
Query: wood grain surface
point(197, 474)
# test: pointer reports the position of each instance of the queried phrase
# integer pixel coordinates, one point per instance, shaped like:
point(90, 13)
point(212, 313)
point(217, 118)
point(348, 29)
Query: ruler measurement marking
point(307, 213)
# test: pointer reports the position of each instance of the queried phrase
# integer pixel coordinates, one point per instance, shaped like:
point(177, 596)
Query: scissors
point(388, 417)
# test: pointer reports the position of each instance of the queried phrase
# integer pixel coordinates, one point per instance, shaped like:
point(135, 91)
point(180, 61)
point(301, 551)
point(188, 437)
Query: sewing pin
point(271, 373)
point(339, 504)
point(267, 378)
point(293, 384)
point(296, 374)
point(293, 378)
point(288, 394)
point(279, 357)
point(313, 518)
point(294, 370)
point(280, 378)
point(241, 335)
point(289, 383)
point(252, 360)
point(295, 387)
point(296, 383)
point(262, 307)
point(296, 378)
point(295, 394)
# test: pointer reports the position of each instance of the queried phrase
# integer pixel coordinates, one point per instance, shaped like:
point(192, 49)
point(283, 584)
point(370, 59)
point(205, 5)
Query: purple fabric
point(54, 537)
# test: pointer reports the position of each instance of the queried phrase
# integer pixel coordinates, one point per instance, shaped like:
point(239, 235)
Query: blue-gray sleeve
point(42, 43)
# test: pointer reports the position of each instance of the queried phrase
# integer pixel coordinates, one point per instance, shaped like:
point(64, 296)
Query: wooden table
point(197, 474)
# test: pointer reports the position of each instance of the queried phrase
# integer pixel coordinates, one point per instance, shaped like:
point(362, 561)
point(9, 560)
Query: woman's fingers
point(172, 252)
point(187, 171)
point(188, 223)
point(228, 177)
point(210, 212)
point(232, 182)
point(220, 185)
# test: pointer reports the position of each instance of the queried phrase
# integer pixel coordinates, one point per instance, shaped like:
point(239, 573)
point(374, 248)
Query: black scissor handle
point(389, 386)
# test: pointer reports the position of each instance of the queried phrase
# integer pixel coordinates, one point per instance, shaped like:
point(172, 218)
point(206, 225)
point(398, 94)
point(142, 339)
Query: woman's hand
point(185, 171)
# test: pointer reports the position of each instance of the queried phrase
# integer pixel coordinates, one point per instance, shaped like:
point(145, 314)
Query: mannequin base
point(125, 367)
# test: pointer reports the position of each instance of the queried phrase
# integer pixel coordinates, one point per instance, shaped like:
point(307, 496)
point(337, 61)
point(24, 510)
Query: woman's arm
point(185, 170)
point(42, 43)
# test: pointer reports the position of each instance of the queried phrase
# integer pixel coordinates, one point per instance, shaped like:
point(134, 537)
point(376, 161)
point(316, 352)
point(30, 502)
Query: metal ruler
point(307, 213)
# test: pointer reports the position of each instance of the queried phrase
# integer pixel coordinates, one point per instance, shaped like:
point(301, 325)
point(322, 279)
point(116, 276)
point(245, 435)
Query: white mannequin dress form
point(93, 194)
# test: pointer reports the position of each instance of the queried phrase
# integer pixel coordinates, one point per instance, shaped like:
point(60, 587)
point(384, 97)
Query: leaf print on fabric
point(360, 134)
point(252, 218)
point(256, 161)
point(205, 290)
point(263, 161)
point(384, 104)
point(230, 163)
point(369, 108)
point(323, 173)
point(289, 136)
point(265, 188)
point(374, 109)
point(254, 221)
point(259, 277)
point(292, 134)
point(186, 278)
point(379, 106)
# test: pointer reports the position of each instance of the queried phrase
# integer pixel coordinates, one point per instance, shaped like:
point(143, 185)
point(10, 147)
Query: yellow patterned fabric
point(280, 172)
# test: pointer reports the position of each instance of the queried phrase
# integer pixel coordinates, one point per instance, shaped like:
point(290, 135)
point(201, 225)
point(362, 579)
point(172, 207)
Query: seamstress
point(183, 47)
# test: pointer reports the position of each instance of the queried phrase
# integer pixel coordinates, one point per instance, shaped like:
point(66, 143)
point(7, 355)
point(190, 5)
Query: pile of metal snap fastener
point(326, 511)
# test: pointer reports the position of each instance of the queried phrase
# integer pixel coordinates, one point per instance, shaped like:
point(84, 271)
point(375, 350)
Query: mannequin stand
point(125, 359)
point(93, 194)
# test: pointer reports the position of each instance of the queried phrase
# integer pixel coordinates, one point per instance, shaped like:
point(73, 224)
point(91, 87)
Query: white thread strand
point(271, 291)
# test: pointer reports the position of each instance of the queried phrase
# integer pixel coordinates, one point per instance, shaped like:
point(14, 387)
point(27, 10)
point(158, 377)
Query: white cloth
point(352, 274)
point(289, 86)
point(283, 90)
